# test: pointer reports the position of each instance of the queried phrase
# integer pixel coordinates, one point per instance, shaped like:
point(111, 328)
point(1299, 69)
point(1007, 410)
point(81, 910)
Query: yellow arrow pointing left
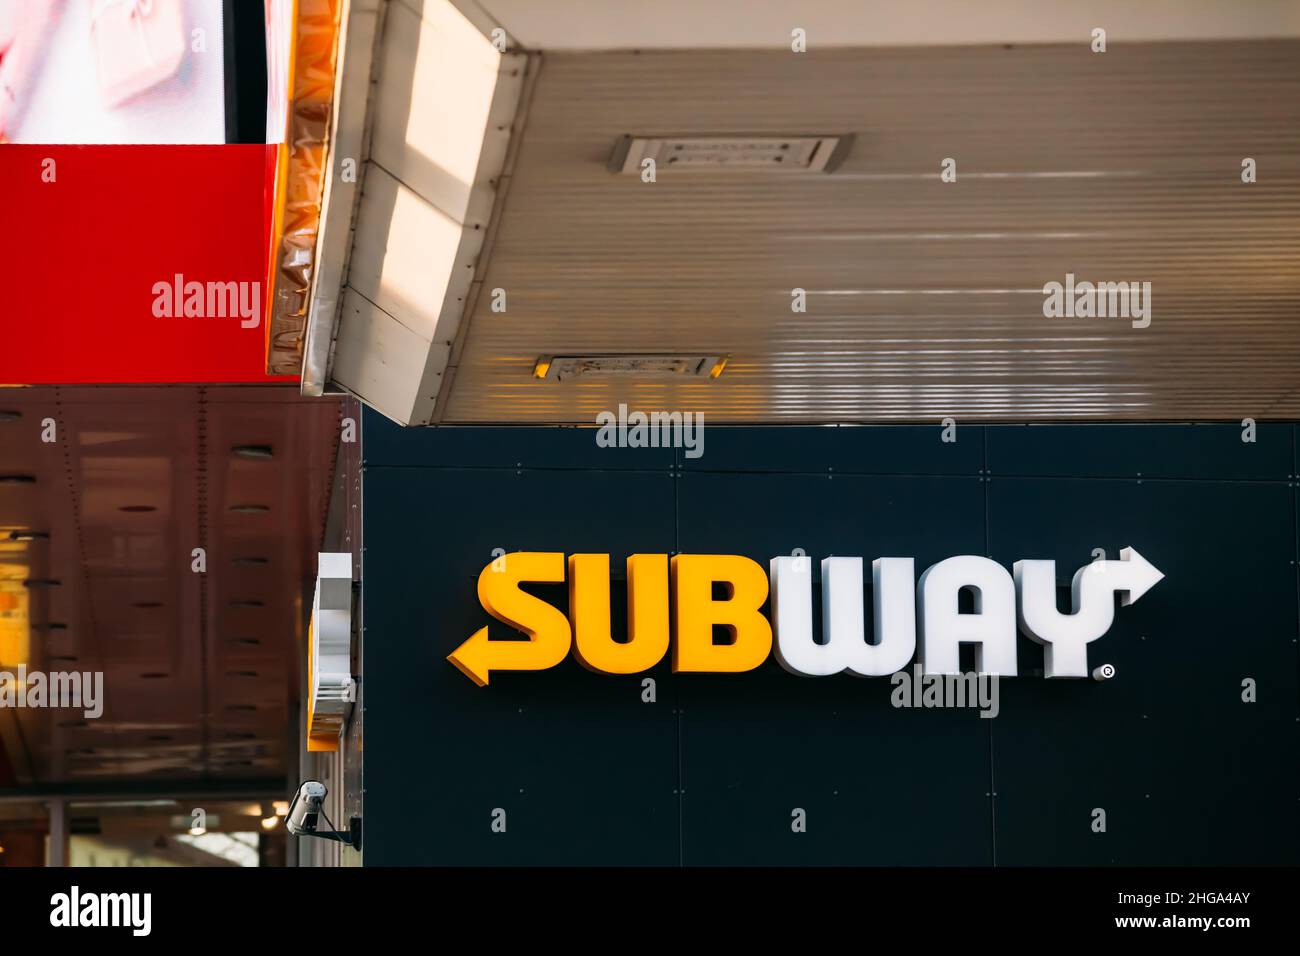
point(549, 634)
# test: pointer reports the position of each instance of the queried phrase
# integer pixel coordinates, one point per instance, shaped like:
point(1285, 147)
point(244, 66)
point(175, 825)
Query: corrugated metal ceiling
point(924, 297)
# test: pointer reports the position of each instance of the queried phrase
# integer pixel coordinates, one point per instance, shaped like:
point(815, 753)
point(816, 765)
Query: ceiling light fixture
point(770, 153)
point(629, 365)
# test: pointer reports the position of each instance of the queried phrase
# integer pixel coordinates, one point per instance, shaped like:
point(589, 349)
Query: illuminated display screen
point(113, 71)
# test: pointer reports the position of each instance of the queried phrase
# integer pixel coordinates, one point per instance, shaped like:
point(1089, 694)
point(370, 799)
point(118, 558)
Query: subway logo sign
point(674, 604)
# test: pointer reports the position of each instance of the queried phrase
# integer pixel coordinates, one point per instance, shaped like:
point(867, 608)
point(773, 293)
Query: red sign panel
point(134, 264)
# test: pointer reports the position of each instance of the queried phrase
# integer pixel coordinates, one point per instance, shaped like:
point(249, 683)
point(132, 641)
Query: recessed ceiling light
point(249, 509)
point(137, 509)
point(253, 451)
point(769, 153)
point(29, 536)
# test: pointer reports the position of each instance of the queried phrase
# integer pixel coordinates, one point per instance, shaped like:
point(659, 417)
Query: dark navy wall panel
point(502, 447)
point(878, 785)
point(709, 774)
point(585, 771)
point(869, 450)
point(1186, 771)
point(1148, 451)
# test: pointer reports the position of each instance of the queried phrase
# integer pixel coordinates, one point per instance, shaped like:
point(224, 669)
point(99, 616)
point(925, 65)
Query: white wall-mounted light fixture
point(329, 676)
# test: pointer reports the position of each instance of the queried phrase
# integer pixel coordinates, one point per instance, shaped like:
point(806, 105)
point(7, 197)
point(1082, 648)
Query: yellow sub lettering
point(647, 613)
point(696, 613)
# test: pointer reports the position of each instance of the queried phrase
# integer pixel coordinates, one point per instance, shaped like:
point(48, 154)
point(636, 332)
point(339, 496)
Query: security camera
point(306, 808)
point(305, 811)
